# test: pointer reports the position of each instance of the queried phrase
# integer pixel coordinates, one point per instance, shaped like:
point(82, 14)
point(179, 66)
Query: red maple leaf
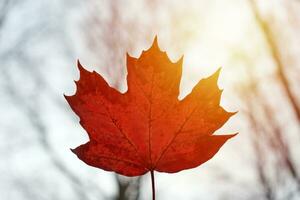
point(147, 128)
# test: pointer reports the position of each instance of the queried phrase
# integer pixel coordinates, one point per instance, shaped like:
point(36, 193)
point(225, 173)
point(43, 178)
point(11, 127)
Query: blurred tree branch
point(268, 140)
point(260, 160)
point(274, 50)
point(4, 10)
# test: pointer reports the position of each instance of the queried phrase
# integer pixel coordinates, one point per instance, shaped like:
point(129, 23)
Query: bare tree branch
point(267, 32)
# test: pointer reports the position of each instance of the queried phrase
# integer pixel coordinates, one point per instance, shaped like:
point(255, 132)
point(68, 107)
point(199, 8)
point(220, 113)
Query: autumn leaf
point(147, 128)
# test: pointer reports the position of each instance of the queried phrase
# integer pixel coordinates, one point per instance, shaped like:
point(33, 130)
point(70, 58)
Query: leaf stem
point(153, 184)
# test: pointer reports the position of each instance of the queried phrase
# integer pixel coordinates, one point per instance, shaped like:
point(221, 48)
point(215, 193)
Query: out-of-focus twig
point(256, 137)
point(275, 53)
point(269, 134)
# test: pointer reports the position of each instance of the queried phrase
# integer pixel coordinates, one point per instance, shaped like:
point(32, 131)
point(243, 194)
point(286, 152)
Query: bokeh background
point(256, 42)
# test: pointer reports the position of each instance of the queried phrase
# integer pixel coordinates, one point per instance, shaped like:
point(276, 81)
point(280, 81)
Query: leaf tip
point(217, 72)
point(75, 151)
point(66, 96)
point(232, 135)
point(80, 67)
point(129, 59)
point(215, 76)
point(155, 39)
point(180, 60)
point(233, 113)
point(78, 64)
point(155, 43)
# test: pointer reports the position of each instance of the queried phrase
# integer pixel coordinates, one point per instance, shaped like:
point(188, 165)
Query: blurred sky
point(210, 34)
